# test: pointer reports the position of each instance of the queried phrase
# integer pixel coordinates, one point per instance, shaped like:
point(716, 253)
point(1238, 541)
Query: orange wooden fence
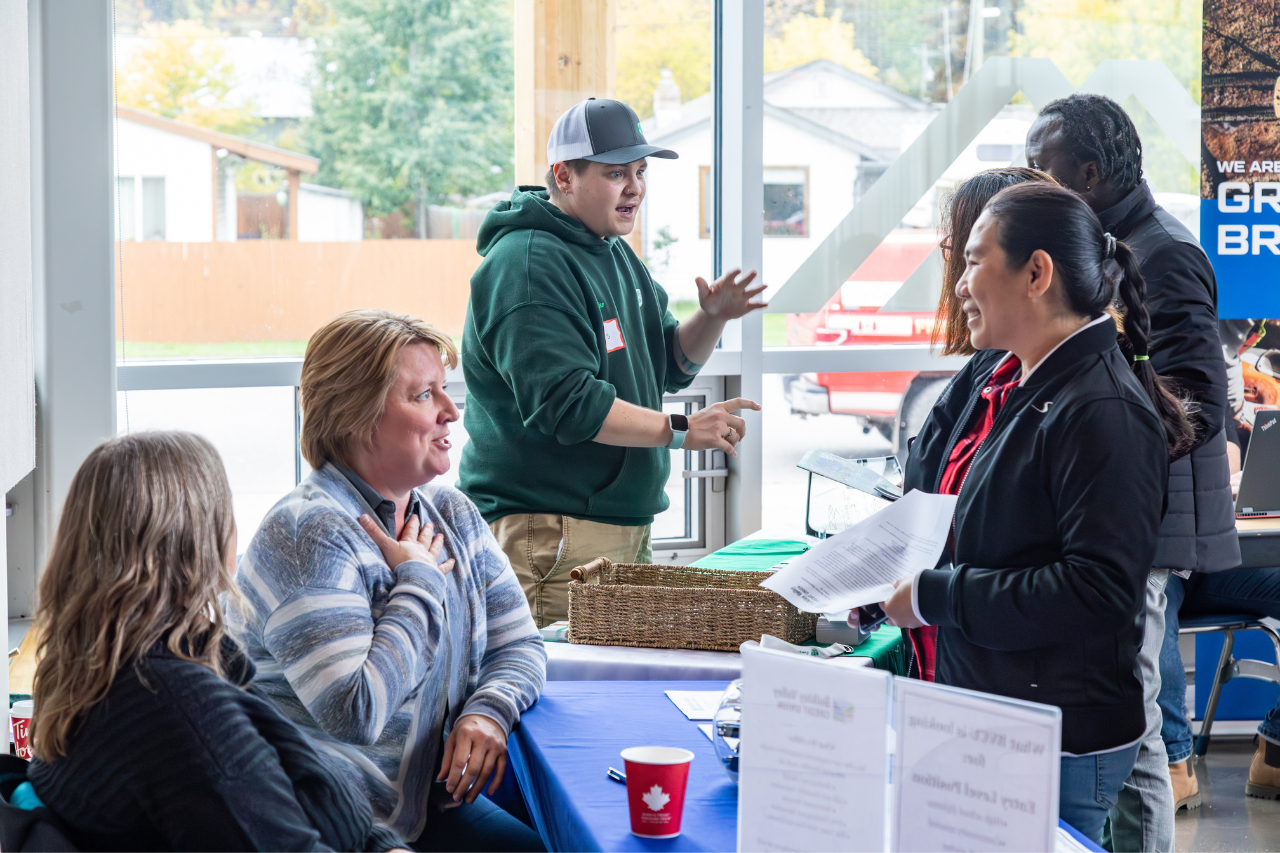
point(283, 290)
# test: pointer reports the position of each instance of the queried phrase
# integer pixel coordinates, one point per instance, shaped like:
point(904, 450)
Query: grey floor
point(1228, 820)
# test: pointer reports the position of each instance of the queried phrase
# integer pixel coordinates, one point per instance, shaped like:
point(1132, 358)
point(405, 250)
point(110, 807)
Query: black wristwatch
point(679, 429)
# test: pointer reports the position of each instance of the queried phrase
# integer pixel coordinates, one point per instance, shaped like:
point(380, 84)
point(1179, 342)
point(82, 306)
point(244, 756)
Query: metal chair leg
point(1275, 642)
point(1219, 678)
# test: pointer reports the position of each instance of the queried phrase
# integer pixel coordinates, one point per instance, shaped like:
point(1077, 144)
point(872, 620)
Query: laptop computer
point(1260, 482)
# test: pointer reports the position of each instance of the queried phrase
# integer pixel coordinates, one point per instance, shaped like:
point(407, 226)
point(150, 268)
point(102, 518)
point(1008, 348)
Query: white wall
point(328, 215)
point(17, 352)
point(673, 202)
point(17, 366)
point(187, 167)
point(72, 250)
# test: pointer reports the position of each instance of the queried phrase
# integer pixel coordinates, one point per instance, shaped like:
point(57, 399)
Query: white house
point(829, 133)
point(166, 184)
point(174, 184)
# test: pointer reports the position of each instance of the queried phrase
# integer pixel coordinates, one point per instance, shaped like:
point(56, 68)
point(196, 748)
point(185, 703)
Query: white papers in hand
point(858, 566)
point(696, 704)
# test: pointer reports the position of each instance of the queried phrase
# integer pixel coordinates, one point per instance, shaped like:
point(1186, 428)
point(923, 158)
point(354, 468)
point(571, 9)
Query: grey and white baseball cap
point(601, 130)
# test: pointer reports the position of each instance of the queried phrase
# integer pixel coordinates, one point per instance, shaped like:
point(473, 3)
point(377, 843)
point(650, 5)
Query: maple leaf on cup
point(655, 799)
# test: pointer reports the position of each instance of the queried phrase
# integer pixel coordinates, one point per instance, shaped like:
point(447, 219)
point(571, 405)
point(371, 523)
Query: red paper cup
point(656, 779)
point(20, 724)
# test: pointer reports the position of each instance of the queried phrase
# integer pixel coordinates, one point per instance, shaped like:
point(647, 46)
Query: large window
point(280, 163)
point(277, 166)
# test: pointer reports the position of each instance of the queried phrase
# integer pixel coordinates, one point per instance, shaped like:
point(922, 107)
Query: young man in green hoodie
point(567, 351)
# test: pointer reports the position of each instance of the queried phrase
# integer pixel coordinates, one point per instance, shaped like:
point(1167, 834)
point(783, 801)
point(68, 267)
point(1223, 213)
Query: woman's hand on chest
point(417, 543)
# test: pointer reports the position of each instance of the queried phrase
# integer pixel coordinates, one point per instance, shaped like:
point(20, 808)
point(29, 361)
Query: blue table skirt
point(564, 745)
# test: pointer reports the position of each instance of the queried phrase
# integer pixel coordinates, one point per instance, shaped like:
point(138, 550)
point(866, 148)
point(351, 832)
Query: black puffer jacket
point(1055, 529)
point(1199, 530)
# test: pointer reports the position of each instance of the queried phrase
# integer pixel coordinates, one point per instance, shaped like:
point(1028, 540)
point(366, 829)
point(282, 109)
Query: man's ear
point(1040, 265)
point(1091, 174)
point(564, 180)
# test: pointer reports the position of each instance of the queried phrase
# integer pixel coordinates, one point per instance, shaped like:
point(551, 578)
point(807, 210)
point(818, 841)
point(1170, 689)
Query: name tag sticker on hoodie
point(613, 336)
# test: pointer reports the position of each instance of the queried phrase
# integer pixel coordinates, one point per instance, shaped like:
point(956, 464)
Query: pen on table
point(617, 775)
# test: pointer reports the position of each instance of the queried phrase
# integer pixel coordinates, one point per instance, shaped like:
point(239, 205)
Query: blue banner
point(1244, 245)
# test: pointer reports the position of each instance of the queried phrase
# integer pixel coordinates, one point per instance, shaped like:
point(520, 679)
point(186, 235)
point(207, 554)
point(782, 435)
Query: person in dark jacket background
point(1089, 144)
point(1057, 444)
point(144, 734)
point(1255, 591)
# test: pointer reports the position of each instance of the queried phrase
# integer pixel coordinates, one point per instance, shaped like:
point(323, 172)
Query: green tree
point(413, 99)
point(907, 40)
point(1078, 34)
point(182, 72)
point(805, 37)
point(658, 34)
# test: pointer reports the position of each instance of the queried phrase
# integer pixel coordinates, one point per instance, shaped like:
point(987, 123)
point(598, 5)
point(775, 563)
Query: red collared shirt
point(1003, 380)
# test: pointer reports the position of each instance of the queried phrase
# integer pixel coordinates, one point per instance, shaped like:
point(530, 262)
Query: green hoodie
point(561, 322)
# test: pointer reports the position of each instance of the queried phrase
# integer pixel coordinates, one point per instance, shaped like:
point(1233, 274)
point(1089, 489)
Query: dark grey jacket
point(1199, 528)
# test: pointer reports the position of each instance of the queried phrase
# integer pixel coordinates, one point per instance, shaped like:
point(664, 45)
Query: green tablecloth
point(885, 647)
point(753, 555)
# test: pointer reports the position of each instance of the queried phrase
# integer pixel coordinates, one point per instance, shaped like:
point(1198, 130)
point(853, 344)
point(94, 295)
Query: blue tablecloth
point(564, 745)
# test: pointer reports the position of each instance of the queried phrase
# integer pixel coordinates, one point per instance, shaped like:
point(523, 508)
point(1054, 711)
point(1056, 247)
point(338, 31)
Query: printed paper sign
point(813, 756)
point(613, 336)
point(973, 771)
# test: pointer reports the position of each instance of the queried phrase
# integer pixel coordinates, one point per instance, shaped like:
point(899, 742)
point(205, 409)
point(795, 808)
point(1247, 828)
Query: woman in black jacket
point(1057, 443)
point(146, 733)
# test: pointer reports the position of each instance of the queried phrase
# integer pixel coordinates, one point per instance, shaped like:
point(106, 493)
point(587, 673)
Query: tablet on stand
point(841, 493)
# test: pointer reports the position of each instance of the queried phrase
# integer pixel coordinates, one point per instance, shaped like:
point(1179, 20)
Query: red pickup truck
point(893, 402)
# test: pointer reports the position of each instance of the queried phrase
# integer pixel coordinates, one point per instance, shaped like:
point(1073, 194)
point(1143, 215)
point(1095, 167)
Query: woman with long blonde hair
point(144, 734)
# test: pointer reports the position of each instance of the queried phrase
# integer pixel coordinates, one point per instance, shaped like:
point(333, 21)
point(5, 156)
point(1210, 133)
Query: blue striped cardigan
point(377, 665)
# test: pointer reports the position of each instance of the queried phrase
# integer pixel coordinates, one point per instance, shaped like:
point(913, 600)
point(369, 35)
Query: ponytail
point(1051, 218)
point(1132, 292)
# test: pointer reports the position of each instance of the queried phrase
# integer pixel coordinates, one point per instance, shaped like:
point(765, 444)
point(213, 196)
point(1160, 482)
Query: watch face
point(679, 423)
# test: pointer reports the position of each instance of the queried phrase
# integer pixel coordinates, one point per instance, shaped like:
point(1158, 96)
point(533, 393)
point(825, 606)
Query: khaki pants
point(544, 548)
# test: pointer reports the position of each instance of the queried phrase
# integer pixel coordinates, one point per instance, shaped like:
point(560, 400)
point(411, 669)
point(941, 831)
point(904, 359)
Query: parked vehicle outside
point(895, 403)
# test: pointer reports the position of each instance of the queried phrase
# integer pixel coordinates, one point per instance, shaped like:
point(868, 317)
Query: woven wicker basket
point(677, 607)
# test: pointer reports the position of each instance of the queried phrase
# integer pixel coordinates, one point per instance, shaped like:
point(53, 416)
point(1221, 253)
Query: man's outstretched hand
point(729, 297)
